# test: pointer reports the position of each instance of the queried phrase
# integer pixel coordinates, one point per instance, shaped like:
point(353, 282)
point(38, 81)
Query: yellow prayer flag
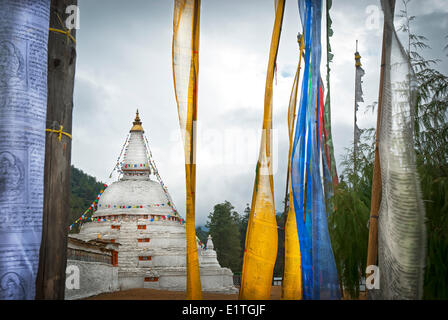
point(261, 237)
point(292, 273)
point(185, 74)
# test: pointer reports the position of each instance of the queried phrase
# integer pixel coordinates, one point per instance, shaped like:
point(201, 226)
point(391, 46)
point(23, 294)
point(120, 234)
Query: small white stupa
point(137, 212)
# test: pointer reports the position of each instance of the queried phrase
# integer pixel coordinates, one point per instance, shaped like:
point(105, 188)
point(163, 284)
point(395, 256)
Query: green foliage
point(202, 235)
point(243, 221)
point(224, 227)
point(348, 225)
point(434, 182)
point(280, 262)
point(84, 190)
point(431, 145)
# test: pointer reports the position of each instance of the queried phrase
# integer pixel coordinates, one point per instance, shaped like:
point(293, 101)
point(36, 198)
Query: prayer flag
point(261, 236)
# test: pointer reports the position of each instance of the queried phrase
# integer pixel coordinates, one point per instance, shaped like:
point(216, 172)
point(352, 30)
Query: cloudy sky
point(124, 63)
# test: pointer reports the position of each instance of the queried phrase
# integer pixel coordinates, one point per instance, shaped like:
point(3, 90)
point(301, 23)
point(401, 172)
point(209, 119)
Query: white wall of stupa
point(136, 212)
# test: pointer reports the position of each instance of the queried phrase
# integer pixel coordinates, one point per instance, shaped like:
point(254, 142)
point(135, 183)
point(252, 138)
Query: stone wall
point(84, 255)
point(94, 278)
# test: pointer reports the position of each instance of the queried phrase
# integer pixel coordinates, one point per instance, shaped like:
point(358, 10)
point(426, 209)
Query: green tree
point(348, 225)
point(223, 224)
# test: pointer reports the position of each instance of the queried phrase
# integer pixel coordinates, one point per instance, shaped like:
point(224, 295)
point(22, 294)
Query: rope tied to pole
point(66, 31)
point(60, 132)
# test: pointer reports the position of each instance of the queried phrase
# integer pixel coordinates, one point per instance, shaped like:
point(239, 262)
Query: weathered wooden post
point(50, 283)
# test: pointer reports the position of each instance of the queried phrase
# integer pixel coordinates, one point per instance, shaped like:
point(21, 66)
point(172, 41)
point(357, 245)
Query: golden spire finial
point(137, 123)
point(357, 56)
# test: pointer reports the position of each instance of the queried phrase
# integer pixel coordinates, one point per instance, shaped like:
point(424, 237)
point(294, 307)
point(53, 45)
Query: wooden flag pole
point(372, 250)
point(50, 282)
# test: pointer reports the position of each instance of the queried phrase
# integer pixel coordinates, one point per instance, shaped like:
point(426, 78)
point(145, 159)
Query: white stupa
point(137, 212)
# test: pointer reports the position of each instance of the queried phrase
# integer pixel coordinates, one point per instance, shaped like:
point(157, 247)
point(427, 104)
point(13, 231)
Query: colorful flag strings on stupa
point(94, 206)
point(319, 273)
point(119, 162)
point(155, 171)
point(91, 208)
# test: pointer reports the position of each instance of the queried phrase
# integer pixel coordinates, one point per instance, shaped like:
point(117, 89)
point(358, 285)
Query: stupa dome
point(133, 197)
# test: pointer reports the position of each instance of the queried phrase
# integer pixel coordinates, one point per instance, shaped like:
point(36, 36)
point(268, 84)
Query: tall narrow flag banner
point(358, 98)
point(261, 236)
point(185, 75)
point(23, 106)
point(292, 274)
point(401, 222)
point(319, 274)
point(328, 160)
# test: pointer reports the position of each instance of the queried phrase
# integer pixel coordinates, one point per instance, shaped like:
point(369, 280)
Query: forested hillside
point(84, 190)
